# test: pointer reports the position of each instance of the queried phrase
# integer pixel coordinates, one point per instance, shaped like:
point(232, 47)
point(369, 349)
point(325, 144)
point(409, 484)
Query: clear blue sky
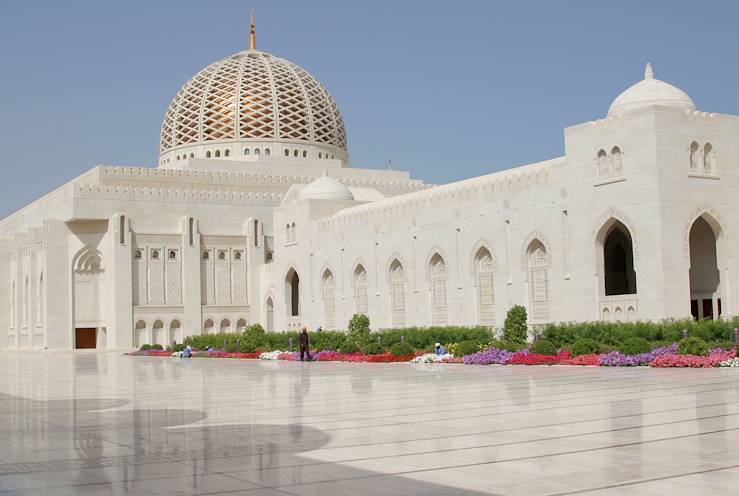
point(447, 90)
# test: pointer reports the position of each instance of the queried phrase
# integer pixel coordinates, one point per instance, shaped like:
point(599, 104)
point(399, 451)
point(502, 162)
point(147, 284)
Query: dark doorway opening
point(84, 338)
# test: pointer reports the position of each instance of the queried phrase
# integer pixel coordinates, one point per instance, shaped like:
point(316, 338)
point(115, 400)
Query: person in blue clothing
point(440, 349)
point(187, 352)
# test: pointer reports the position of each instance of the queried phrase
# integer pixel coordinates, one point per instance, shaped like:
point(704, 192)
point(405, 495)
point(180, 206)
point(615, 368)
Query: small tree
point(358, 332)
point(515, 328)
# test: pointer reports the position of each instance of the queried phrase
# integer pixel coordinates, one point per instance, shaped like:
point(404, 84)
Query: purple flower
point(618, 359)
point(489, 356)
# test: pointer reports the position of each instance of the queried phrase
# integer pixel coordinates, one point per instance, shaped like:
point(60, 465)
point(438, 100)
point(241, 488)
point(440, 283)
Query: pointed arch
point(328, 289)
point(538, 261)
point(140, 336)
point(87, 267)
point(437, 270)
point(484, 285)
point(707, 249)
point(269, 307)
point(359, 277)
point(225, 326)
point(292, 292)
point(610, 215)
point(157, 330)
point(615, 259)
point(396, 276)
point(534, 235)
point(175, 331)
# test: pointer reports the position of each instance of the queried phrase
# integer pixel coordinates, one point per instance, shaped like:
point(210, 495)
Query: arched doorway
point(140, 334)
point(209, 326)
point(292, 293)
point(87, 279)
point(619, 277)
point(360, 290)
point(225, 326)
point(175, 332)
point(241, 325)
point(705, 279)
point(158, 333)
point(270, 315)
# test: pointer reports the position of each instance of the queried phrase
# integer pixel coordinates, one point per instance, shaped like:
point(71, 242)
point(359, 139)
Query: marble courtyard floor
point(99, 424)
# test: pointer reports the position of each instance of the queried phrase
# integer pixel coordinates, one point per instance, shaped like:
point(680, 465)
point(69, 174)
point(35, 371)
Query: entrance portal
point(84, 338)
point(705, 293)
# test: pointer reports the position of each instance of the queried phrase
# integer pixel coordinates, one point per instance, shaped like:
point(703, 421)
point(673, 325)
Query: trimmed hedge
point(616, 333)
point(585, 346)
point(401, 349)
point(465, 348)
point(634, 346)
point(543, 347)
point(422, 338)
point(693, 346)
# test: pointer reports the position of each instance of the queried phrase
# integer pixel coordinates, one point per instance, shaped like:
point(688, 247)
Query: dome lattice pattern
point(253, 95)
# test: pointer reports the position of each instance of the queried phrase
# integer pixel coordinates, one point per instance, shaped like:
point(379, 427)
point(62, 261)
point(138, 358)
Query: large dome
point(650, 91)
point(253, 97)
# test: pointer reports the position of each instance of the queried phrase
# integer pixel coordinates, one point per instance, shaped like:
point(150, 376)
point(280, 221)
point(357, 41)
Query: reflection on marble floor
point(87, 424)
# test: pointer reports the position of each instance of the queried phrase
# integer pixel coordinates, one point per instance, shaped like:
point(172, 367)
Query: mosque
point(255, 215)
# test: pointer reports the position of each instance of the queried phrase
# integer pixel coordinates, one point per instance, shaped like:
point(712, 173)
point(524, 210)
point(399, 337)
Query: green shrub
point(178, 347)
point(232, 348)
point(145, 347)
point(607, 348)
point(423, 338)
point(158, 347)
point(585, 346)
point(693, 346)
point(543, 347)
point(465, 348)
point(515, 329)
point(349, 347)
point(359, 330)
point(634, 346)
point(372, 348)
point(402, 349)
point(506, 345)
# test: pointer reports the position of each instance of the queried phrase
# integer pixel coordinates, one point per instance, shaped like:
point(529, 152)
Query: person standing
point(304, 344)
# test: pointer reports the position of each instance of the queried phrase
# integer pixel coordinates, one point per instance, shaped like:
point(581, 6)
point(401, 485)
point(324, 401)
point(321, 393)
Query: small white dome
point(650, 91)
point(326, 188)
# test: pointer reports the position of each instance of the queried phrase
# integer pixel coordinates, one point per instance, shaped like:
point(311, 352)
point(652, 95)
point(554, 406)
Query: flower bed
point(618, 359)
point(433, 358)
point(592, 359)
point(714, 358)
point(488, 357)
point(525, 357)
point(731, 362)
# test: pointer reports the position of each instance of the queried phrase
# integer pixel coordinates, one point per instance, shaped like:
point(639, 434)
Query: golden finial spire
point(252, 33)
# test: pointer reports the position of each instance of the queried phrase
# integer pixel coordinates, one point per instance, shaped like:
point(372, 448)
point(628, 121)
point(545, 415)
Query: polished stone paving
point(106, 424)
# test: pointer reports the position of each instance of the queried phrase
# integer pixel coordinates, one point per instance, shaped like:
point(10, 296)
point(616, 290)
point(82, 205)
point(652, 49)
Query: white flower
point(733, 362)
point(270, 355)
point(432, 358)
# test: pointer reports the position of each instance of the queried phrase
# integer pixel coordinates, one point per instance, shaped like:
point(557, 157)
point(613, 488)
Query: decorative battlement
point(471, 190)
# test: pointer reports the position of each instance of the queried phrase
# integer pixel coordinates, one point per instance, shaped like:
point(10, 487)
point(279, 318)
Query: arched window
point(618, 261)
point(155, 254)
point(288, 234)
point(329, 303)
point(172, 255)
point(287, 152)
point(708, 158)
point(137, 254)
point(485, 287)
point(292, 293)
point(538, 263)
point(257, 151)
point(192, 155)
point(305, 153)
point(190, 230)
point(267, 151)
point(221, 255)
point(178, 157)
point(694, 155)
point(360, 290)
point(207, 154)
point(237, 255)
point(616, 160)
point(603, 165)
point(247, 151)
point(439, 309)
point(227, 153)
point(292, 232)
point(256, 232)
point(218, 153)
point(295, 153)
point(206, 255)
point(397, 294)
point(225, 326)
point(320, 155)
